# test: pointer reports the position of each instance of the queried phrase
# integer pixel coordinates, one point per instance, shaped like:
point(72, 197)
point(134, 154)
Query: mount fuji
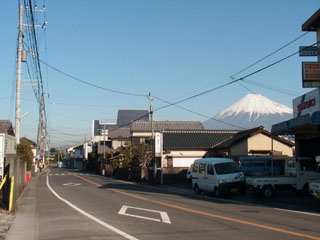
point(251, 111)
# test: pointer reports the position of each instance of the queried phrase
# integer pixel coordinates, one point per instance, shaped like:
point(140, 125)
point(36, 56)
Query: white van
point(217, 175)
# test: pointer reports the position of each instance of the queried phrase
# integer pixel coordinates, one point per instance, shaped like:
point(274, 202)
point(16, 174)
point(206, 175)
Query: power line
point(233, 81)
point(242, 85)
point(200, 114)
point(260, 60)
point(93, 85)
point(276, 89)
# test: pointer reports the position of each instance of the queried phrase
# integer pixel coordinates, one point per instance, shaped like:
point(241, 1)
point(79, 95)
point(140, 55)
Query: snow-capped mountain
point(251, 111)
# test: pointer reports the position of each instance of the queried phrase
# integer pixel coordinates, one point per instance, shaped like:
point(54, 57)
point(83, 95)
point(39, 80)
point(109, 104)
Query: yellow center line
point(204, 213)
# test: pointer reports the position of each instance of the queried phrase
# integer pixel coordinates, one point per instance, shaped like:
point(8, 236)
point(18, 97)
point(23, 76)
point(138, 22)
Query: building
point(181, 148)
point(111, 135)
point(305, 124)
point(141, 131)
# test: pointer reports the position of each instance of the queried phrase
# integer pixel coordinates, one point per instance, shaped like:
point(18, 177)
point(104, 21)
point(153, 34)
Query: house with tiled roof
point(141, 131)
point(255, 142)
point(119, 137)
point(181, 148)
point(6, 127)
point(112, 134)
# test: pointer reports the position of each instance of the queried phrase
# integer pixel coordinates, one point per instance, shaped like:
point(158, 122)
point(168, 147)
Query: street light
point(24, 115)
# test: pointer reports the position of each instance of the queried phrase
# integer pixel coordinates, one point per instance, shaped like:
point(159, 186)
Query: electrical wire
point(200, 114)
point(91, 84)
point(269, 55)
point(234, 81)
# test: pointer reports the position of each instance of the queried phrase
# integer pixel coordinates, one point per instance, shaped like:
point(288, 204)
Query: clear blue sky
point(171, 48)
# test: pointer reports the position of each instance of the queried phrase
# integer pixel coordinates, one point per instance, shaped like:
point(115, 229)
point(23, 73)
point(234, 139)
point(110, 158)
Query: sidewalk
point(24, 222)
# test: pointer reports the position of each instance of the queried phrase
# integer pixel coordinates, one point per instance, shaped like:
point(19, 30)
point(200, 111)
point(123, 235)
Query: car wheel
point(197, 189)
point(216, 192)
point(267, 191)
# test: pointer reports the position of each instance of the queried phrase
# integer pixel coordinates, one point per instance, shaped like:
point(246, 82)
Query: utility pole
point(40, 126)
point(152, 140)
point(18, 82)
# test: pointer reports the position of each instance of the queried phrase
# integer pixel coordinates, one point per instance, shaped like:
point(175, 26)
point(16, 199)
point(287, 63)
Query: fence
point(13, 166)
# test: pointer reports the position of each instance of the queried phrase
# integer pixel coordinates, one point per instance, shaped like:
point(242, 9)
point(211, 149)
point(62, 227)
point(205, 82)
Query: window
point(246, 163)
point(210, 169)
point(291, 163)
point(258, 163)
point(308, 165)
point(195, 168)
point(202, 168)
point(225, 168)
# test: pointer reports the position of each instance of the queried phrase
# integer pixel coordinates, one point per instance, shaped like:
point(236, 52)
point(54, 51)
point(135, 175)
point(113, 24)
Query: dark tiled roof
point(119, 133)
point(33, 144)
point(126, 116)
point(250, 132)
point(6, 127)
point(195, 139)
point(144, 126)
point(239, 136)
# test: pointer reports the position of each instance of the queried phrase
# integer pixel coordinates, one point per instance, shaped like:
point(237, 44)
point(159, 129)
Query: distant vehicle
point(217, 175)
point(258, 166)
point(299, 172)
point(61, 165)
point(189, 172)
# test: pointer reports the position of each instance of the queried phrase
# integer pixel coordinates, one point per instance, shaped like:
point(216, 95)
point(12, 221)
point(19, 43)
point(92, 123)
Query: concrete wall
point(183, 158)
point(17, 168)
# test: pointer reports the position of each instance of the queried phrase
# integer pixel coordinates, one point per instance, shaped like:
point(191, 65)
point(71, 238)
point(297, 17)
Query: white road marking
point(72, 184)
point(224, 200)
point(164, 216)
point(106, 225)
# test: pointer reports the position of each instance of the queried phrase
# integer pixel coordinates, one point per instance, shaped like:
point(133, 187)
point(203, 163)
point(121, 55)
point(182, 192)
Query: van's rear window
point(225, 168)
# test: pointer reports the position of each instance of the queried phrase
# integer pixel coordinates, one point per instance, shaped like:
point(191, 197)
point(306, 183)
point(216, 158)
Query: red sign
point(307, 104)
point(311, 74)
point(311, 71)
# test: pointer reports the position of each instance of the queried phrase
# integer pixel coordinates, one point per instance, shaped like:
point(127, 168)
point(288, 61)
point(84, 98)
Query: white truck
point(299, 172)
point(314, 189)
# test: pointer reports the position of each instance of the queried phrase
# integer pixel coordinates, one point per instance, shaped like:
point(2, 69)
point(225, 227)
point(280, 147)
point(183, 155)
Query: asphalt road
point(74, 205)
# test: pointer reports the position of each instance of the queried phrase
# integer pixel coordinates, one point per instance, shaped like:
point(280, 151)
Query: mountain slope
point(251, 111)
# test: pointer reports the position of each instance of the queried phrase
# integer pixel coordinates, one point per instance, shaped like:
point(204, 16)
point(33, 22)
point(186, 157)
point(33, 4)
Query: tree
point(135, 155)
point(24, 151)
point(141, 155)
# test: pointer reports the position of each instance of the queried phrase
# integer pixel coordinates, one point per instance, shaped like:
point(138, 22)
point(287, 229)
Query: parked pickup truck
point(299, 172)
point(314, 188)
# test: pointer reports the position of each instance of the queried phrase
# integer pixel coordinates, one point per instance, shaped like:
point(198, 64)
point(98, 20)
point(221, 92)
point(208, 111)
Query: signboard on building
point(305, 51)
point(311, 74)
point(158, 144)
point(307, 103)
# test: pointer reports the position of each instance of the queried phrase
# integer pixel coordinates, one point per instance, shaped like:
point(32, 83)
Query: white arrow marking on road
point(71, 184)
point(164, 216)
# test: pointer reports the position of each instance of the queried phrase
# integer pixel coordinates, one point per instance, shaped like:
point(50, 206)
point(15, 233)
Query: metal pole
point(18, 82)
